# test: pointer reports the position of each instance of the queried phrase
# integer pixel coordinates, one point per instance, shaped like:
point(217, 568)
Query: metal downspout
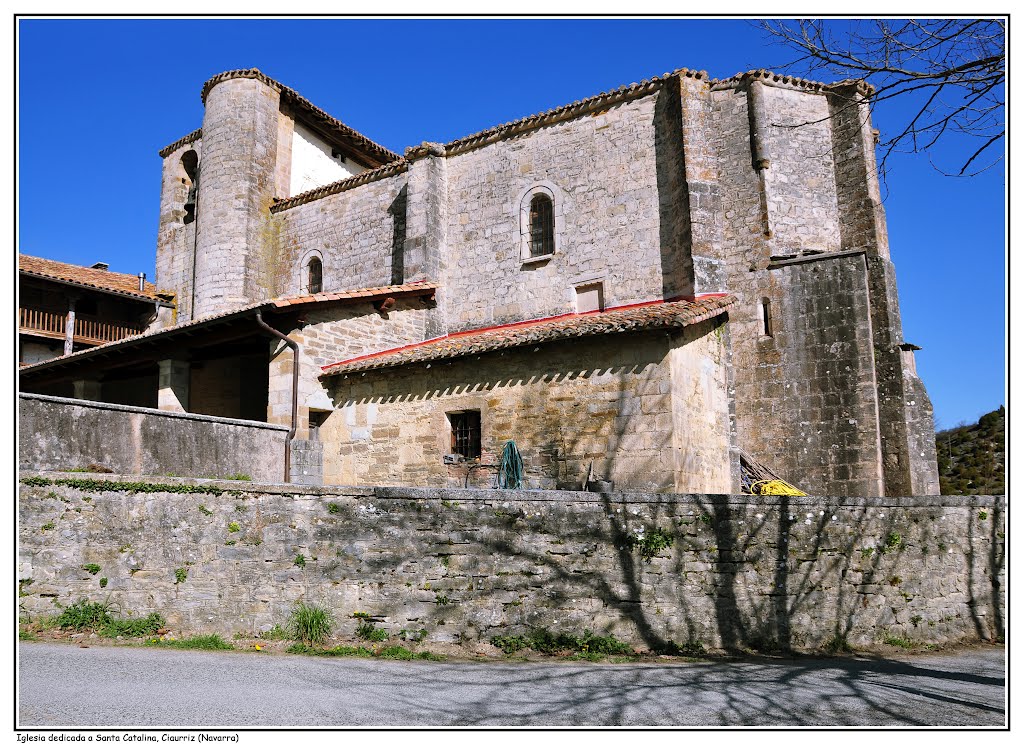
point(295, 394)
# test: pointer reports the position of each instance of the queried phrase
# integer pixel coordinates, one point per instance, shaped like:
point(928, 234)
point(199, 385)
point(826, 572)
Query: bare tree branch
point(951, 71)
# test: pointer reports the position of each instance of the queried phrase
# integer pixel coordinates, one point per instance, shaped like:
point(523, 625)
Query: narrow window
point(316, 421)
point(590, 297)
point(465, 433)
point(190, 164)
point(542, 226)
point(766, 317)
point(315, 276)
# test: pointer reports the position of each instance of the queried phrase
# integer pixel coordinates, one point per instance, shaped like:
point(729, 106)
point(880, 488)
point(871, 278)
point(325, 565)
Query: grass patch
point(98, 485)
point(387, 653)
point(542, 640)
point(899, 641)
point(277, 633)
point(26, 636)
point(86, 616)
point(207, 641)
point(310, 624)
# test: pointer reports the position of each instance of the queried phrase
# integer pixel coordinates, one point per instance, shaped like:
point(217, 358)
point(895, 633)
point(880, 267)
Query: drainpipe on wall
point(295, 394)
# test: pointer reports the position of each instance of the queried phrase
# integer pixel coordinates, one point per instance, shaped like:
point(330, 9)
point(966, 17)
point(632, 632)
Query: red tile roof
point(278, 305)
point(639, 317)
point(96, 279)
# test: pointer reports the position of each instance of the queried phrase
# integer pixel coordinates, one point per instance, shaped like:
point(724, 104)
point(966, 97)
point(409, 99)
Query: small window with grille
point(465, 433)
point(542, 226)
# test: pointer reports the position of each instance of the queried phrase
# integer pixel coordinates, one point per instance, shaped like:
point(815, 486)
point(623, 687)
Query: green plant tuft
point(333, 508)
point(234, 527)
point(205, 510)
point(103, 581)
point(48, 526)
point(300, 561)
point(368, 632)
point(649, 545)
point(310, 624)
point(983, 515)
point(180, 575)
point(893, 541)
point(92, 568)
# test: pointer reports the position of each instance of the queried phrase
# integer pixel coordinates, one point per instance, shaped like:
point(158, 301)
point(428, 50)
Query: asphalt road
point(67, 686)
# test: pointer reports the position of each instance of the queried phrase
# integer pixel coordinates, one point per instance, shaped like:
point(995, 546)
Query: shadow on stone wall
point(740, 574)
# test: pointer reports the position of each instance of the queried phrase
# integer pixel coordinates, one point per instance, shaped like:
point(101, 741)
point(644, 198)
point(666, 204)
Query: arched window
point(542, 226)
point(541, 222)
point(314, 276)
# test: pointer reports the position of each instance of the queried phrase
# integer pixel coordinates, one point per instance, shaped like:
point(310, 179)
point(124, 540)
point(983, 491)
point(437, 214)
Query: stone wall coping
point(228, 485)
point(452, 494)
point(387, 170)
point(186, 140)
point(151, 412)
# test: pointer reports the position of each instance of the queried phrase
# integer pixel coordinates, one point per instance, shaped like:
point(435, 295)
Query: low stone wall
point(465, 565)
point(61, 434)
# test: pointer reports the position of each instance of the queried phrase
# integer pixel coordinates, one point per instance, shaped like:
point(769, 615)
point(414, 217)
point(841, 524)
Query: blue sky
point(99, 98)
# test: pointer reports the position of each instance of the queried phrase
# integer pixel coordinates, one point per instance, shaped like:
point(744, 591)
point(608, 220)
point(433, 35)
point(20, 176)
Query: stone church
point(636, 287)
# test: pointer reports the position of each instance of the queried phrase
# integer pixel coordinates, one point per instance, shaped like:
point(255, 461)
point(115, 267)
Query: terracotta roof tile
point(410, 288)
point(656, 314)
point(97, 279)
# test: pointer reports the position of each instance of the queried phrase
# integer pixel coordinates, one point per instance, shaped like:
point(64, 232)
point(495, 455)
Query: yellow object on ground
point(776, 487)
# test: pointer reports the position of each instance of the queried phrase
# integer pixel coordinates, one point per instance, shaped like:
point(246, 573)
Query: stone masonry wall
point(333, 335)
point(806, 402)
point(604, 171)
point(615, 402)
point(358, 234)
point(741, 573)
point(175, 239)
point(60, 434)
point(236, 244)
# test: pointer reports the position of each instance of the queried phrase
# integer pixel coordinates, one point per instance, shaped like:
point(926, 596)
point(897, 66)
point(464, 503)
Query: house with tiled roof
point(65, 308)
point(633, 288)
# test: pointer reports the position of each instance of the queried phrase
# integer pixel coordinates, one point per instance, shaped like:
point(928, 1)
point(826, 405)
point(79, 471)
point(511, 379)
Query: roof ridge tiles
point(651, 314)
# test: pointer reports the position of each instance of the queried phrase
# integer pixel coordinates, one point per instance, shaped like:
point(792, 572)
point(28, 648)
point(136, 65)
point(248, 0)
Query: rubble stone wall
point(465, 565)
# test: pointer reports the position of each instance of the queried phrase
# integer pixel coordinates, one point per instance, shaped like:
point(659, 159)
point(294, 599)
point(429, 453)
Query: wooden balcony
point(87, 330)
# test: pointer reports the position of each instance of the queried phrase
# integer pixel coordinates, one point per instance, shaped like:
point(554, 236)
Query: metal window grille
point(316, 276)
point(542, 226)
point(466, 433)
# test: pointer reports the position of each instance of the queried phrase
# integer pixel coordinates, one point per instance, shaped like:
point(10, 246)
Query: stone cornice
point(189, 138)
point(791, 82)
